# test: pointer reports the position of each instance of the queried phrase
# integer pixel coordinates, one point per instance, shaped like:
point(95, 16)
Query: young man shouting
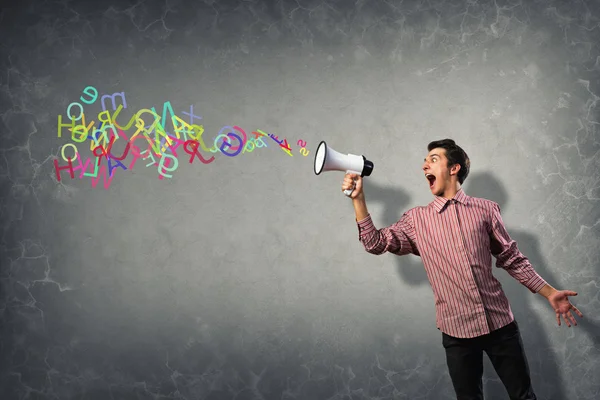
point(456, 235)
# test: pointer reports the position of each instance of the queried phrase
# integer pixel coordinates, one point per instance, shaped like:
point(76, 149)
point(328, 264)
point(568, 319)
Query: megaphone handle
point(348, 192)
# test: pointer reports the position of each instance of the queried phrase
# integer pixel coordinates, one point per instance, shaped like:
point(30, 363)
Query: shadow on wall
point(547, 379)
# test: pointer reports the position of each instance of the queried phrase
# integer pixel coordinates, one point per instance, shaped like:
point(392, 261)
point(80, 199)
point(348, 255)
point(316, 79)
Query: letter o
point(62, 152)
point(69, 111)
point(231, 129)
point(217, 139)
point(225, 145)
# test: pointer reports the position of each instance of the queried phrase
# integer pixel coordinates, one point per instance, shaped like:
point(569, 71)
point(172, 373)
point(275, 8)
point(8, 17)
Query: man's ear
point(455, 169)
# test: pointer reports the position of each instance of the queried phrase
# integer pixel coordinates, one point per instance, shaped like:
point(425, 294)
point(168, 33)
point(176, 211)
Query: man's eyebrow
point(432, 155)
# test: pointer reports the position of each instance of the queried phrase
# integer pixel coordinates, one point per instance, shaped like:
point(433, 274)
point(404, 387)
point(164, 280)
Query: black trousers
point(504, 347)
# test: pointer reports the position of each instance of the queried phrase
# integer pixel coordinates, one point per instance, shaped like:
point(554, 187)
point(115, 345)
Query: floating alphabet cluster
point(160, 144)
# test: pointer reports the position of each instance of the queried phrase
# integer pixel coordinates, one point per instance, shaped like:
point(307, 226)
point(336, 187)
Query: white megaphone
point(327, 159)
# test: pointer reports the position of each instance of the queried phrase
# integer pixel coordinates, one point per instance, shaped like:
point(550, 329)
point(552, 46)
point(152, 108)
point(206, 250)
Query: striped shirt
point(456, 240)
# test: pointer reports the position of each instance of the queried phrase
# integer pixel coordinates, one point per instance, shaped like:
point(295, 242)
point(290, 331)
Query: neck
point(451, 191)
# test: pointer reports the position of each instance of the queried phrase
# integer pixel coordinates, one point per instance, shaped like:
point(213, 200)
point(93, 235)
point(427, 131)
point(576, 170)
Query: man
point(455, 236)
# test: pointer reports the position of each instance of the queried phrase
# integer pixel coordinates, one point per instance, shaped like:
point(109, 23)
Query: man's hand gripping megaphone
point(352, 185)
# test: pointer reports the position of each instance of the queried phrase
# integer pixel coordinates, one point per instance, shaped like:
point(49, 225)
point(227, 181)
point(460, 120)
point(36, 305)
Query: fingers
point(568, 317)
point(564, 317)
point(348, 184)
point(351, 181)
point(572, 318)
point(577, 311)
point(350, 178)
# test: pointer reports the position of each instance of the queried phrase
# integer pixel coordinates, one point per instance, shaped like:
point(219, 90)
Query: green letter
point(94, 95)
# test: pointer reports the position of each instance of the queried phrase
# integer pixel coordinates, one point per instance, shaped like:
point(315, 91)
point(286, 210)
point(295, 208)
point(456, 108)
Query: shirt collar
point(440, 202)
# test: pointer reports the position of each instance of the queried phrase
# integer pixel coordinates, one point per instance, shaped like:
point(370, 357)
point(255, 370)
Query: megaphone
point(327, 159)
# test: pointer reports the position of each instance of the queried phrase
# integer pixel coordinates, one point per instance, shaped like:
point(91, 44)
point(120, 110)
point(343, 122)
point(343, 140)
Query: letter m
point(122, 94)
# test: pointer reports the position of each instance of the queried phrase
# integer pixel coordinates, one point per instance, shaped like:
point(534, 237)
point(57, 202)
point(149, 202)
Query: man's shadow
point(547, 379)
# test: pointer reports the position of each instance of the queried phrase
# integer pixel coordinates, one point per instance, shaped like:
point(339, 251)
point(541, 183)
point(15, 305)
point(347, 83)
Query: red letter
point(103, 173)
point(70, 168)
point(194, 152)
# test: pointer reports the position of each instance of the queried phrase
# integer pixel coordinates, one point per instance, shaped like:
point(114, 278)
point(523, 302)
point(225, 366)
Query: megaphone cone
point(327, 159)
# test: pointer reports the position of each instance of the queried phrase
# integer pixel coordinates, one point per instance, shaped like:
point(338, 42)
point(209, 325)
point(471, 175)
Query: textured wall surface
point(244, 278)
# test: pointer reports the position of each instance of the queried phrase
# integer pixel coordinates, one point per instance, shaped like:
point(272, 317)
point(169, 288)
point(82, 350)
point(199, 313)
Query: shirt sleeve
point(399, 238)
point(509, 257)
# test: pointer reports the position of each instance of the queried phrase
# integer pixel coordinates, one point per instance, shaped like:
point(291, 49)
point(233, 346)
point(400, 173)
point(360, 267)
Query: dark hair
point(455, 155)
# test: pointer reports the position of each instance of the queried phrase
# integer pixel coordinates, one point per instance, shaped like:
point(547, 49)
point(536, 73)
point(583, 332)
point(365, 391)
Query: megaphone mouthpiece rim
point(323, 159)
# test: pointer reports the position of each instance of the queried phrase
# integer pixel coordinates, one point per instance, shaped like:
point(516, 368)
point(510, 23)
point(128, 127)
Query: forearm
point(547, 290)
point(360, 207)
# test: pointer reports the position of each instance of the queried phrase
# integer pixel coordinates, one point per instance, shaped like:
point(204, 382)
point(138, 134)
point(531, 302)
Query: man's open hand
point(559, 300)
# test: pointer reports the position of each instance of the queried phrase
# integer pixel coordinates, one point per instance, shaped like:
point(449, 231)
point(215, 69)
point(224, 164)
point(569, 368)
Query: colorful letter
point(69, 167)
point(136, 156)
point(191, 114)
point(104, 114)
point(141, 127)
point(94, 95)
point(131, 120)
point(198, 130)
point(149, 155)
point(83, 168)
point(163, 165)
point(62, 151)
point(259, 143)
point(102, 173)
point(112, 97)
point(246, 147)
point(181, 126)
point(95, 141)
point(225, 140)
point(110, 166)
point(82, 130)
point(226, 145)
point(80, 108)
point(61, 125)
point(103, 152)
point(194, 152)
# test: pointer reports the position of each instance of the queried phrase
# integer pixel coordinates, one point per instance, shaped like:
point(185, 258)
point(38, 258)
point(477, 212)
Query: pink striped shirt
point(456, 240)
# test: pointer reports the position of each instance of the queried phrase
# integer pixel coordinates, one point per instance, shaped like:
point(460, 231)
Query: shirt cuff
point(365, 226)
point(536, 283)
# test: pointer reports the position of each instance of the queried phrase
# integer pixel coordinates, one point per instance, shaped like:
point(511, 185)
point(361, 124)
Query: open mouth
point(431, 179)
